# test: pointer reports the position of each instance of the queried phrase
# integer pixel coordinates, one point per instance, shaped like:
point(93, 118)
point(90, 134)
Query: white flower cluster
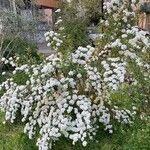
point(53, 39)
point(94, 80)
point(120, 7)
point(114, 72)
point(57, 122)
point(111, 5)
point(123, 115)
point(58, 21)
point(70, 115)
point(127, 41)
point(136, 40)
point(82, 55)
point(11, 61)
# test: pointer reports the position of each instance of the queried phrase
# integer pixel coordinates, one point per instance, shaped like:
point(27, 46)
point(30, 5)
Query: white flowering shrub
point(71, 97)
point(71, 28)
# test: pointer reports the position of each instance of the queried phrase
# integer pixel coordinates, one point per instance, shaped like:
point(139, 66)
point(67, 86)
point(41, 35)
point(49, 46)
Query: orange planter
point(47, 3)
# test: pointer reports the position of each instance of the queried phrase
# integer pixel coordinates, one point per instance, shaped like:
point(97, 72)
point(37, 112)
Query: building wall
point(144, 20)
point(4, 4)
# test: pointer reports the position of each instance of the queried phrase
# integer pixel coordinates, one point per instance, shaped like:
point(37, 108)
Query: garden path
point(42, 47)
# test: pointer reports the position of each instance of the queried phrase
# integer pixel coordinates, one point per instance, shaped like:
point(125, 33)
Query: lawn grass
point(136, 137)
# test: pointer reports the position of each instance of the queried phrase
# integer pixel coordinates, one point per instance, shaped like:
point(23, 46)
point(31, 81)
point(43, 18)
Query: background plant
point(17, 38)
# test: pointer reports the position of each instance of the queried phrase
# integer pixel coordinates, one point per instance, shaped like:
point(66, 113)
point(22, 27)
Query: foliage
point(91, 11)
point(17, 47)
point(71, 26)
point(73, 20)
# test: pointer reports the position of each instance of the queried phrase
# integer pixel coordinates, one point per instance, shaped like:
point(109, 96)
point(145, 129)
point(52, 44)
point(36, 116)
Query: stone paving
point(44, 49)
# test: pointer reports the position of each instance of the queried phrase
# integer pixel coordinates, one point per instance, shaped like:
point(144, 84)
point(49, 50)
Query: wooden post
point(147, 25)
point(102, 9)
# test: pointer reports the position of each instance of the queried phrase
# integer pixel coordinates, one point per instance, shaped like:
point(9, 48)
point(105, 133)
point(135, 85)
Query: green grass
point(13, 138)
point(136, 137)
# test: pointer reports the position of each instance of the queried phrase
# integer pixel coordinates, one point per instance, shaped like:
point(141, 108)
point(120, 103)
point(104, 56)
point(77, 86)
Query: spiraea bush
point(74, 93)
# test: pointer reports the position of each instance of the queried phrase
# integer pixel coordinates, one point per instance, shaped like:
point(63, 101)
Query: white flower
point(71, 73)
point(3, 73)
point(79, 75)
point(84, 143)
point(58, 11)
point(58, 44)
point(124, 36)
point(6, 61)
point(3, 59)
point(46, 34)
point(48, 45)
point(47, 38)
